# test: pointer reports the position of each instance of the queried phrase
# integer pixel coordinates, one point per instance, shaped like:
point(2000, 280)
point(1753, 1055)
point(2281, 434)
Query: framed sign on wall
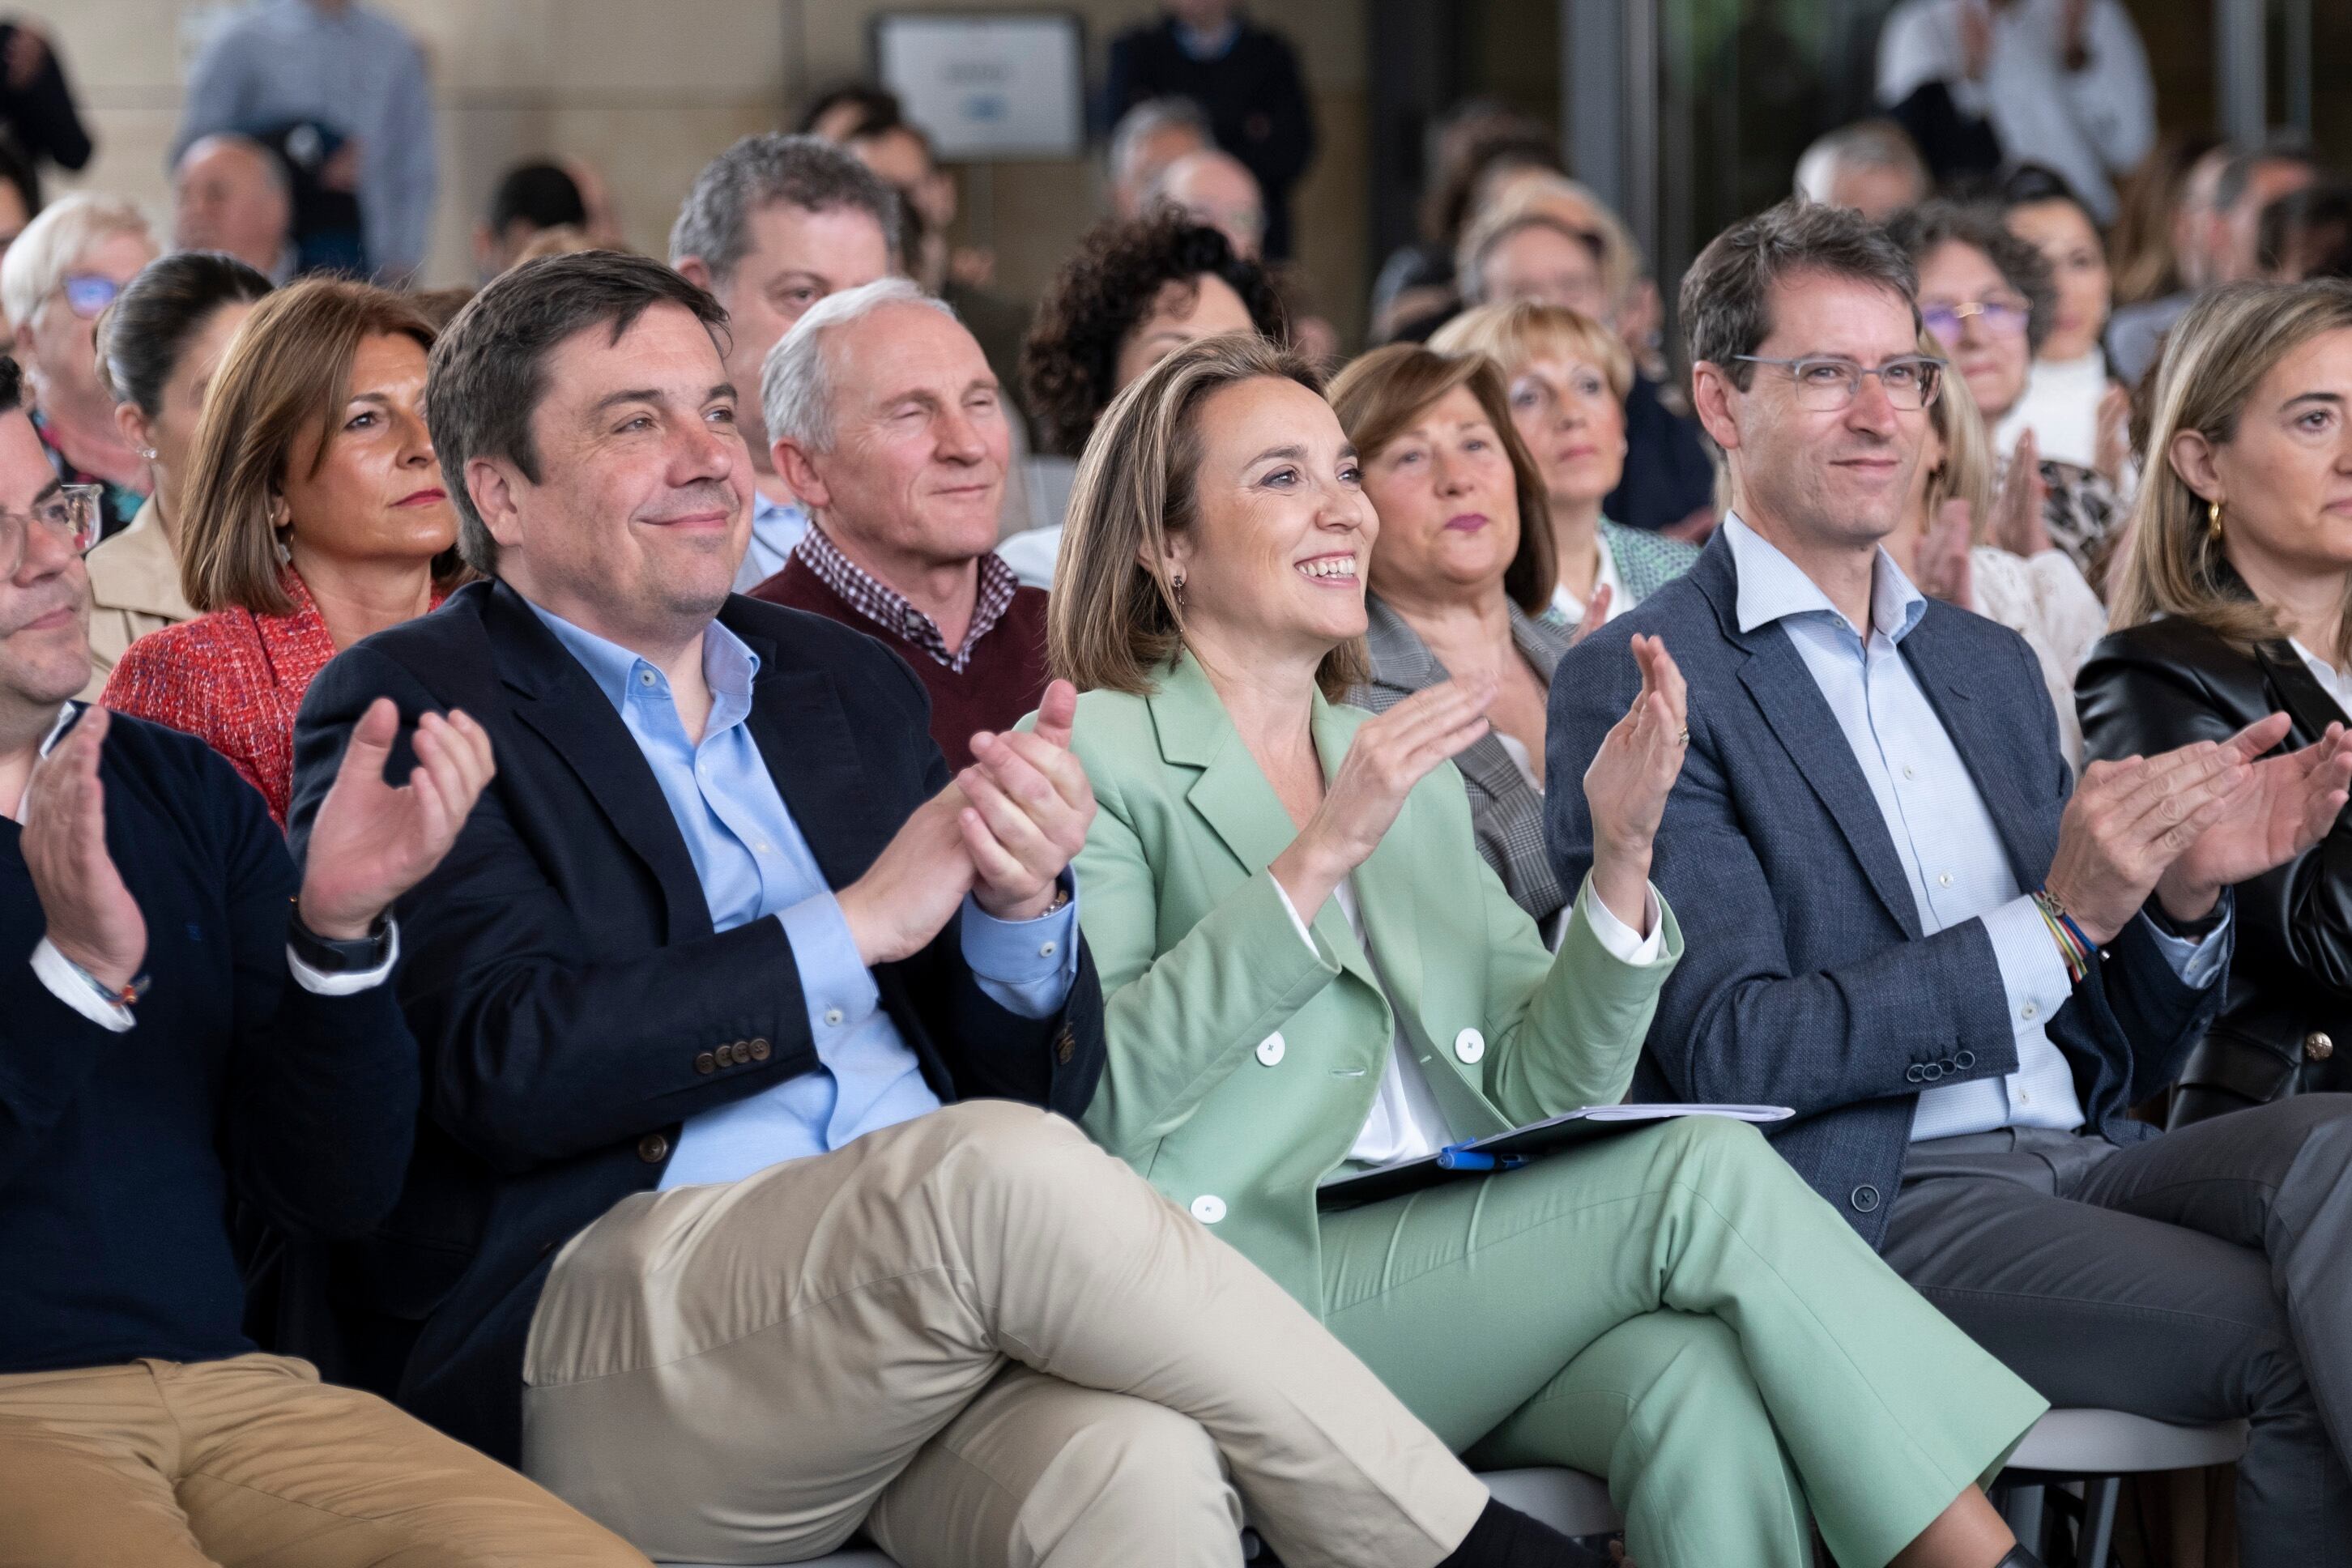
point(988, 86)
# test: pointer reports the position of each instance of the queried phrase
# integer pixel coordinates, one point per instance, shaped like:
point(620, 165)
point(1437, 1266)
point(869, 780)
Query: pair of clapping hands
point(369, 843)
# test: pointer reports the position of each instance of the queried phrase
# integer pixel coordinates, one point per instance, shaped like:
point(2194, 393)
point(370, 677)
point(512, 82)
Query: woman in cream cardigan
point(1306, 967)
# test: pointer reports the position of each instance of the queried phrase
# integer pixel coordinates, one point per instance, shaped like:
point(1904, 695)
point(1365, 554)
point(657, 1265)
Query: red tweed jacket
point(233, 679)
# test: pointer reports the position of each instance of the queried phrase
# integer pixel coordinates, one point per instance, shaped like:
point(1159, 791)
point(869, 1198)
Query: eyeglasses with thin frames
point(1826, 385)
point(2005, 317)
point(68, 513)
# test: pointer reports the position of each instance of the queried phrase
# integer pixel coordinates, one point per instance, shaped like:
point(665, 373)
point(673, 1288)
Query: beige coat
point(134, 589)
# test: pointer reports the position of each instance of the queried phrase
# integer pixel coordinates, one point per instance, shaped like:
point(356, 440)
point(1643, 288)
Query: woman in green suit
point(1308, 967)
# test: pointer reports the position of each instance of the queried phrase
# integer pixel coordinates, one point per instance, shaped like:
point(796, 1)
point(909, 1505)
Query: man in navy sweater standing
point(186, 1023)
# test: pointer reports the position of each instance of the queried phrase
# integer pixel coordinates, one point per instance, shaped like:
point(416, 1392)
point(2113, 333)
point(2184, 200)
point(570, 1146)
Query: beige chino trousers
point(252, 1462)
point(984, 1339)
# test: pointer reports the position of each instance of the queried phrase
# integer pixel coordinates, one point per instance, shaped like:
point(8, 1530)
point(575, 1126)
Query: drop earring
point(1177, 583)
point(2214, 522)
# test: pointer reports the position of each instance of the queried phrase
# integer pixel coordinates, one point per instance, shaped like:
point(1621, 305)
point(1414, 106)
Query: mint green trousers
point(1675, 1310)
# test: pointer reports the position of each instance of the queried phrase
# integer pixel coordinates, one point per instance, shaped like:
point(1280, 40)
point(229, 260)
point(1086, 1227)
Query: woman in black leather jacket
point(2231, 605)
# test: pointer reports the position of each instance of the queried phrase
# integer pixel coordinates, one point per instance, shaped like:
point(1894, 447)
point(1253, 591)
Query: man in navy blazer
point(1959, 969)
point(722, 1216)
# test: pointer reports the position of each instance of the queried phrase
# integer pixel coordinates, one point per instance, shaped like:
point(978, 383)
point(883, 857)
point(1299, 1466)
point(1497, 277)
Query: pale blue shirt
point(356, 70)
point(1943, 834)
point(754, 863)
point(776, 527)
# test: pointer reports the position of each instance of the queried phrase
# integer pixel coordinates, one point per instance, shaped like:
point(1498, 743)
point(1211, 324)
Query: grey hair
point(1148, 119)
point(805, 171)
point(795, 382)
point(280, 176)
point(1864, 144)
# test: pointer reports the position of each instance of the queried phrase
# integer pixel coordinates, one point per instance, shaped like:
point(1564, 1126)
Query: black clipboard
point(1508, 1151)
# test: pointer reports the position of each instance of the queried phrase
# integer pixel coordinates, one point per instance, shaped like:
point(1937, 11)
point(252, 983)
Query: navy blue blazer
point(1806, 980)
point(572, 1002)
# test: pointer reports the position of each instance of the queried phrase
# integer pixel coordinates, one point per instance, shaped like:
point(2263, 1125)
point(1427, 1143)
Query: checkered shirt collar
point(893, 611)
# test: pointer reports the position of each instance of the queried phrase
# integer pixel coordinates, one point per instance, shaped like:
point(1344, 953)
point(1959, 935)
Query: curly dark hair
point(1070, 360)
point(1920, 230)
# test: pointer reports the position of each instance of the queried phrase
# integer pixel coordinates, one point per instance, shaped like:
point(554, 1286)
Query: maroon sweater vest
point(1000, 684)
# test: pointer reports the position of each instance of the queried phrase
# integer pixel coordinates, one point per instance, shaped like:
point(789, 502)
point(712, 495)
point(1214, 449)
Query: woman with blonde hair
point(1568, 377)
point(1988, 551)
point(314, 517)
point(2231, 605)
point(1306, 969)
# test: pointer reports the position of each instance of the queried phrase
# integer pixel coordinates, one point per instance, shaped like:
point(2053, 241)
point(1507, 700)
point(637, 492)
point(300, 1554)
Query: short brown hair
point(1727, 295)
point(2171, 563)
point(1381, 395)
point(286, 374)
point(489, 373)
point(1114, 621)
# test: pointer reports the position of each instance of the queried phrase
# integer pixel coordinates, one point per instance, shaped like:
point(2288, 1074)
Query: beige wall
point(649, 91)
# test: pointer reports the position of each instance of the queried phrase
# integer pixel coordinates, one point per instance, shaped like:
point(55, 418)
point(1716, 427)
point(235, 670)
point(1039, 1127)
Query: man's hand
point(914, 887)
point(371, 842)
point(2130, 820)
point(1029, 805)
point(2287, 805)
point(92, 918)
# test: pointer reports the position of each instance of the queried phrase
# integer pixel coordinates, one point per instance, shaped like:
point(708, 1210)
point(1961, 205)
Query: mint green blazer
point(1242, 1062)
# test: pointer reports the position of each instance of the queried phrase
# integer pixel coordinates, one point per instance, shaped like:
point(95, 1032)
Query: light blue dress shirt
point(776, 527)
point(753, 864)
point(357, 70)
point(1943, 834)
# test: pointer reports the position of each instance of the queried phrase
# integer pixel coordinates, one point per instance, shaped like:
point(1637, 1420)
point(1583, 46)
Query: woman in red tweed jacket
point(315, 514)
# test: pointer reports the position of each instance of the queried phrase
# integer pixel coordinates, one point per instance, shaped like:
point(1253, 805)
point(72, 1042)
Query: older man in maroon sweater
point(889, 425)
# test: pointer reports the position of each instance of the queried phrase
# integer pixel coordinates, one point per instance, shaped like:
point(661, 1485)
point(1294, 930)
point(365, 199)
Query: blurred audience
point(841, 109)
point(20, 194)
point(2175, 253)
point(1567, 378)
point(1987, 297)
point(159, 346)
point(1459, 577)
point(2305, 234)
point(1988, 550)
point(1216, 189)
point(1149, 137)
point(1243, 76)
point(773, 225)
point(439, 307)
point(1548, 240)
point(231, 194)
point(346, 66)
point(888, 424)
point(2246, 188)
point(529, 200)
point(2063, 83)
point(37, 113)
point(306, 523)
point(1475, 142)
point(2077, 412)
point(2230, 609)
point(1869, 166)
point(1134, 294)
point(62, 273)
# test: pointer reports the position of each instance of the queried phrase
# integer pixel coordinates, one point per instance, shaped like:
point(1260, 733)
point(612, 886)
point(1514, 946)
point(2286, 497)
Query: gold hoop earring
point(2214, 522)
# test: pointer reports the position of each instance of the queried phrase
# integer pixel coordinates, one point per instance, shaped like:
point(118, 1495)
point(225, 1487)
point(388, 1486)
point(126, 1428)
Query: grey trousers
point(2199, 1277)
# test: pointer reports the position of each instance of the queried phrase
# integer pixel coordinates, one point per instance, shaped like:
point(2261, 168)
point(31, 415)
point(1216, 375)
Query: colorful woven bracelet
point(2073, 947)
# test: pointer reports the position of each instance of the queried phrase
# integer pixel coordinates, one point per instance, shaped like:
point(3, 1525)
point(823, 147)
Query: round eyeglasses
point(1827, 385)
point(68, 514)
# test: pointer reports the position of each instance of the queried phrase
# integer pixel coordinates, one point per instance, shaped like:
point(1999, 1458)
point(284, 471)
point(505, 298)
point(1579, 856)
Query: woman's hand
point(1944, 571)
point(1596, 615)
point(1628, 783)
point(2017, 510)
point(1389, 756)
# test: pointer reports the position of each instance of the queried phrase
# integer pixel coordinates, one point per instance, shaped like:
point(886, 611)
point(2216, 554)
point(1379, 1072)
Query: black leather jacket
point(2289, 1003)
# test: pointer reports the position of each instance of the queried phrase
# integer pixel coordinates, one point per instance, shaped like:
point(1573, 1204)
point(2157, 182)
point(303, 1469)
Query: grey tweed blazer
point(1506, 812)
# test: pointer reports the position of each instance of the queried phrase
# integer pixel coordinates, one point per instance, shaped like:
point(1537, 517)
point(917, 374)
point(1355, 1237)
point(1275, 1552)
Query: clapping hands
point(370, 842)
point(1631, 776)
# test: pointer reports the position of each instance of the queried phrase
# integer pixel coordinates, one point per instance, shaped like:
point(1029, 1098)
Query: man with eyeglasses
point(1958, 967)
point(60, 274)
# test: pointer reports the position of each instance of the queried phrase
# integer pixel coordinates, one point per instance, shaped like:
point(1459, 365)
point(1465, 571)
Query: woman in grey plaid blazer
point(1461, 570)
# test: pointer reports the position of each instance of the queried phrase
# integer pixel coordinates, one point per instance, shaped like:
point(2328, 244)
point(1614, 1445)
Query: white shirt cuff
point(1618, 939)
point(1295, 923)
point(69, 984)
point(2197, 961)
point(352, 982)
